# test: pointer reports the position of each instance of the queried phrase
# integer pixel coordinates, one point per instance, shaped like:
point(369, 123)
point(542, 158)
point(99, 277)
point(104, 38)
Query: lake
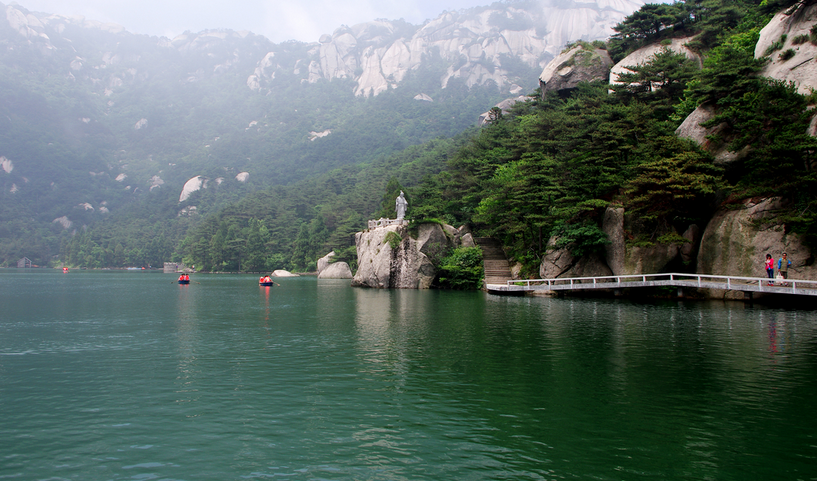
point(128, 375)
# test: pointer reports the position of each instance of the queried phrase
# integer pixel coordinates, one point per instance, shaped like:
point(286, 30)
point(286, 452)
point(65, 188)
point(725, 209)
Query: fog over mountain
point(278, 20)
point(94, 119)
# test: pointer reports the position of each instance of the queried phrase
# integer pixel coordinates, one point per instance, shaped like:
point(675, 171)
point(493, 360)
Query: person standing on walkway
point(770, 268)
point(783, 265)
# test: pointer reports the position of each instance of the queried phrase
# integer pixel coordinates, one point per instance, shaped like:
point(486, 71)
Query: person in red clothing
point(770, 268)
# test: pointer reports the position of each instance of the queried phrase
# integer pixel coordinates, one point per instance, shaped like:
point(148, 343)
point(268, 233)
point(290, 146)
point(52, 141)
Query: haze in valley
point(278, 20)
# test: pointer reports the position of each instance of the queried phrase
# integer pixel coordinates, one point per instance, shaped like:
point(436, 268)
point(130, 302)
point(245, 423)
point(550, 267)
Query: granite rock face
point(801, 67)
point(388, 257)
point(337, 270)
point(689, 249)
point(651, 259)
point(562, 263)
point(646, 54)
point(504, 108)
point(374, 256)
point(378, 55)
point(580, 63)
point(283, 273)
point(324, 261)
point(615, 251)
point(629, 260)
point(194, 184)
point(692, 129)
point(736, 241)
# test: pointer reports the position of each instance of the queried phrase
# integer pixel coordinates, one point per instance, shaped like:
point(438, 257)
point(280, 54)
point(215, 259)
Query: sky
point(278, 20)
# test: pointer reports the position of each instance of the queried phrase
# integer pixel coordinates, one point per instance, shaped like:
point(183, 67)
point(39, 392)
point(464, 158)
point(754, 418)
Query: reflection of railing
point(381, 222)
point(732, 283)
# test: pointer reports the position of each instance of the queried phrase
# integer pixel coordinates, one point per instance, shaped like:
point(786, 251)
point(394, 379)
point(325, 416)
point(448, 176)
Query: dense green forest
point(549, 167)
point(555, 163)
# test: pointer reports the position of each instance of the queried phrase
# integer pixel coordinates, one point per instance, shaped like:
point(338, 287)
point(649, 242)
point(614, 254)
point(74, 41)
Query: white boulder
point(194, 184)
point(708, 137)
point(338, 270)
point(324, 261)
point(283, 273)
point(646, 54)
point(580, 63)
point(63, 221)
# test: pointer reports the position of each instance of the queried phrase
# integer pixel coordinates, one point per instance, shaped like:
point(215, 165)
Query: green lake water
point(127, 375)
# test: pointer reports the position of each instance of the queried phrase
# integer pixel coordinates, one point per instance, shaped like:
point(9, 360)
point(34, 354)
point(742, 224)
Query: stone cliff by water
point(738, 235)
point(389, 257)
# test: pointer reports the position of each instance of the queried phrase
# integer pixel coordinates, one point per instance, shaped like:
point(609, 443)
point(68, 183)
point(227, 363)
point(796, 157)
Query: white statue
point(401, 204)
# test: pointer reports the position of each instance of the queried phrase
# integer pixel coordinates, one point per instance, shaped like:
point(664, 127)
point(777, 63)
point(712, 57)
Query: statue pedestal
point(381, 222)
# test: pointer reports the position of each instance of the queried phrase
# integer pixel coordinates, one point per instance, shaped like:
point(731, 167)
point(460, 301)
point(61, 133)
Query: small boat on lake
point(265, 281)
point(184, 279)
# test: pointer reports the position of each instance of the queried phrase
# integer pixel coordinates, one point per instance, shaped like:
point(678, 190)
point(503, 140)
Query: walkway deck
point(698, 281)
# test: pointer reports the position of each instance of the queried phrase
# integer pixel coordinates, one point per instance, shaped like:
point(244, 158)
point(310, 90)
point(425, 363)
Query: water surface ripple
point(127, 375)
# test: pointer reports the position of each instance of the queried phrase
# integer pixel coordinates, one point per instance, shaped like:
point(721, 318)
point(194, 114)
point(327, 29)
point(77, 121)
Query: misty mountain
point(96, 121)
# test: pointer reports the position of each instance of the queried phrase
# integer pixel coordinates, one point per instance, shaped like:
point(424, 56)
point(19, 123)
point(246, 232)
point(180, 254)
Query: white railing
point(381, 222)
point(756, 284)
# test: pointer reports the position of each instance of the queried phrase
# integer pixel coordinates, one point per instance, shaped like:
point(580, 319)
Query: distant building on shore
point(24, 263)
point(173, 267)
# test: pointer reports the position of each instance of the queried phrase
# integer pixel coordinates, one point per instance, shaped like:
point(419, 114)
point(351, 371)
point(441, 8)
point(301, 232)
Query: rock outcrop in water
point(283, 273)
point(337, 270)
point(324, 261)
point(389, 257)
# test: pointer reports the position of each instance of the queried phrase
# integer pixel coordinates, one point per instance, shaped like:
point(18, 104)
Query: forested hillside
point(545, 171)
point(100, 128)
point(553, 165)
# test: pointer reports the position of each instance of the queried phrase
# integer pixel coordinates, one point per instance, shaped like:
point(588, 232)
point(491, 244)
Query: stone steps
point(497, 269)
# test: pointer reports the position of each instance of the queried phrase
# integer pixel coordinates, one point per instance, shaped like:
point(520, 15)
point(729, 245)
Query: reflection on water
point(129, 375)
point(187, 335)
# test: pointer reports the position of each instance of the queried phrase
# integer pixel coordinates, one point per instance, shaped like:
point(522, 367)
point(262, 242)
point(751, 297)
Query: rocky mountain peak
point(478, 44)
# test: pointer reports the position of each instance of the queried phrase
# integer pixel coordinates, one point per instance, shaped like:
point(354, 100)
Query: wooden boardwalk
point(697, 281)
